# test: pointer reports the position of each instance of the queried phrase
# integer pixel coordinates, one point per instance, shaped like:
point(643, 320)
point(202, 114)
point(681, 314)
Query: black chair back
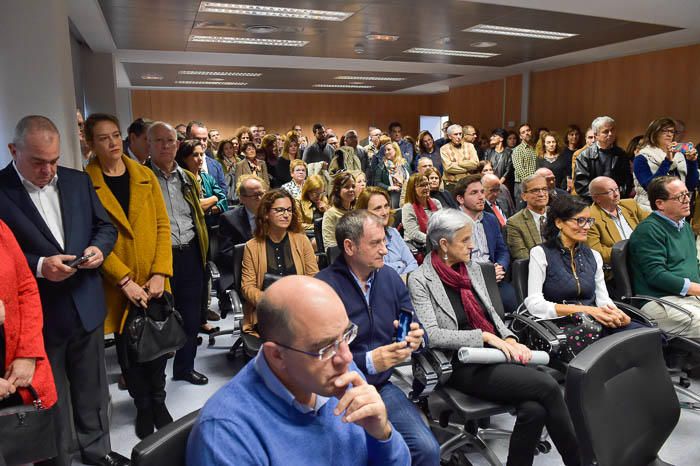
point(489, 272)
point(238, 266)
point(621, 399)
point(520, 269)
point(167, 446)
point(620, 270)
point(333, 253)
point(214, 243)
point(318, 234)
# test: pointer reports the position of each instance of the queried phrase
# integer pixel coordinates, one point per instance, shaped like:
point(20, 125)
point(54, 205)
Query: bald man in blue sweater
point(301, 400)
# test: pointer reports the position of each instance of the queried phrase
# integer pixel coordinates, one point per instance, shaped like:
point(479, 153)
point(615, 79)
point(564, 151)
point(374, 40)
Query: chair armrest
point(236, 303)
point(634, 313)
point(430, 369)
point(551, 338)
point(213, 270)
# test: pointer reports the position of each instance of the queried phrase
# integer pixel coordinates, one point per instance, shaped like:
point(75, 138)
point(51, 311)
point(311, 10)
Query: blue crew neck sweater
point(245, 423)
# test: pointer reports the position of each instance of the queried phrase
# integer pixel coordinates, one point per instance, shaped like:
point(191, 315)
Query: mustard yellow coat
point(143, 246)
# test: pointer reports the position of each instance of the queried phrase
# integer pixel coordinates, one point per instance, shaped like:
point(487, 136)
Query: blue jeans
point(406, 419)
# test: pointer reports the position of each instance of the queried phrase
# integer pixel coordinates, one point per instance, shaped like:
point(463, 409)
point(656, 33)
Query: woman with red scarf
point(417, 210)
point(450, 297)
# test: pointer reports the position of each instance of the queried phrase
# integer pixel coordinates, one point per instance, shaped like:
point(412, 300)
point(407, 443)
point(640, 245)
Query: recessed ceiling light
point(216, 79)
point(344, 86)
point(371, 78)
point(356, 83)
point(261, 29)
point(219, 73)
point(249, 41)
point(152, 76)
point(482, 44)
point(452, 53)
point(207, 83)
point(519, 32)
point(382, 37)
point(273, 11)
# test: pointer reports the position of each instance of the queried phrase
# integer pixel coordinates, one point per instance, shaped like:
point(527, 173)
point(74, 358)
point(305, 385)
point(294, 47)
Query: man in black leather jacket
point(603, 158)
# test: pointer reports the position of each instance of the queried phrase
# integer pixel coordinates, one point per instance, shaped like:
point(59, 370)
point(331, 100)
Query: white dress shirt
point(536, 217)
point(535, 302)
point(48, 204)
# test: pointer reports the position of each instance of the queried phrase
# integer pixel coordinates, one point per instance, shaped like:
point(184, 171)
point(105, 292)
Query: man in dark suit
point(236, 226)
point(57, 217)
point(197, 130)
point(498, 201)
point(489, 245)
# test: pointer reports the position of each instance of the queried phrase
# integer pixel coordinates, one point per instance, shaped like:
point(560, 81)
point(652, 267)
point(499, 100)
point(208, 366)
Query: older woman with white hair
point(450, 297)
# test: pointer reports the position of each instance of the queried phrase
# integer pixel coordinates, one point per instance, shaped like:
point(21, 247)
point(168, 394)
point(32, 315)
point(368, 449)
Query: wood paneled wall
point(481, 105)
point(226, 111)
point(633, 90)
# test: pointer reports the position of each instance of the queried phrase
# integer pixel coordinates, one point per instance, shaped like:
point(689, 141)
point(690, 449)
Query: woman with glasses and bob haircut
point(565, 275)
point(279, 248)
point(451, 299)
point(659, 156)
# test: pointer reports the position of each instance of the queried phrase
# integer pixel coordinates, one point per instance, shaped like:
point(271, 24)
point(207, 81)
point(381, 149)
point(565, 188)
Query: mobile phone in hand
point(80, 260)
point(405, 319)
point(683, 147)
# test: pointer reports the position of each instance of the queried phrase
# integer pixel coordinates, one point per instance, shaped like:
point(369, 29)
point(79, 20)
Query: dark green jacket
point(662, 257)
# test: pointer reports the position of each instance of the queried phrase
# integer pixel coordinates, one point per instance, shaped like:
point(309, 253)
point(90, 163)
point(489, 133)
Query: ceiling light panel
point(249, 41)
point(451, 53)
point(208, 83)
point(152, 76)
point(343, 86)
point(273, 11)
point(519, 32)
point(382, 37)
point(219, 73)
point(370, 78)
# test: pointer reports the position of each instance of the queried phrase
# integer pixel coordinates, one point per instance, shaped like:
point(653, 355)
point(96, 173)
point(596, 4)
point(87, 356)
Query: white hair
point(452, 128)
point(600, 122)
point(445, 223)
point(159, 124)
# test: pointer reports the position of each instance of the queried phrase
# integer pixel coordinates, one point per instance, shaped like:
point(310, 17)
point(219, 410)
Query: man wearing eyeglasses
point(236, 226)
point(301, 400)
point(663, 259)
point(374, 296)
point(615, 218)
point(524, 230)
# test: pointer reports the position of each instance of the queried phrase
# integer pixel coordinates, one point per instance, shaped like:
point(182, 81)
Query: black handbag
point(27, 432)
point(154, 331)
point(573, 333)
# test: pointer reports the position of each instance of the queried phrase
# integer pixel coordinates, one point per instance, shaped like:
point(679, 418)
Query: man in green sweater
point(663, 259)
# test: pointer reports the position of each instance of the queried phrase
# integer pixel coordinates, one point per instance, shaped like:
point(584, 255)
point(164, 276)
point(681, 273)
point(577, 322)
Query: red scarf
point(421, 216)
point(460, 279)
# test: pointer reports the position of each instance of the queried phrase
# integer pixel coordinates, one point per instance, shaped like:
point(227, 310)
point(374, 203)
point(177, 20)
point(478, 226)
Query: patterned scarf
point(460, 279)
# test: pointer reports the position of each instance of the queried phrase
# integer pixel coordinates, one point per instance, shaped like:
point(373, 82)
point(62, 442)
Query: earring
point(445, 257)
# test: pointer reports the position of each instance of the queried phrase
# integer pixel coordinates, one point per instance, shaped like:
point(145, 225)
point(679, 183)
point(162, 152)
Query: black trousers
point(145, 381)
point(538, 401)
point(78, 365)
point(187, 283)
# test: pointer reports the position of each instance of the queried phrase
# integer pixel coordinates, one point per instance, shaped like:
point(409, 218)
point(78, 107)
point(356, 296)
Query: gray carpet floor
point(681, 449)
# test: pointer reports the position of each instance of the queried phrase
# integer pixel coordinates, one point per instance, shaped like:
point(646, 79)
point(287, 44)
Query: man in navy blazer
point(56, 217)
point(373, 296)
point(489, 245)
point(197, 130)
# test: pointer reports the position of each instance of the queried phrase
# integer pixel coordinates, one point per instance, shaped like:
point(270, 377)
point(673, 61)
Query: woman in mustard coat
point(140, 263)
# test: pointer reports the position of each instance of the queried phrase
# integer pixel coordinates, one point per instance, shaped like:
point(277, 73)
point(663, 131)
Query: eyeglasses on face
point(682, 197)
point(608, 192)
point(254, 195)
point(537, 191)
point(328, 351)
point(584, 221)
point(283, 210)
point(671, 131)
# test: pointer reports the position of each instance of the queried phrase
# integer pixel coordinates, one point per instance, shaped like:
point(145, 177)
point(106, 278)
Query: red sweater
point(23, 317)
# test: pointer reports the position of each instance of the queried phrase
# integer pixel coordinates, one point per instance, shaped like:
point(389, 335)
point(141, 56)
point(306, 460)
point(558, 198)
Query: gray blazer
point(435, 311)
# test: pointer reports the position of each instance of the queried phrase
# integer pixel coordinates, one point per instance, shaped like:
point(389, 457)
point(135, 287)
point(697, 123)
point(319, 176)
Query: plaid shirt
point(524, 161)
